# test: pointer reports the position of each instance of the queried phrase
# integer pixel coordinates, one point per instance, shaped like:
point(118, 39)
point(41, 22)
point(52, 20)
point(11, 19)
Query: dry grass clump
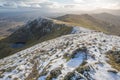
point(54, 73)
point(114, 59)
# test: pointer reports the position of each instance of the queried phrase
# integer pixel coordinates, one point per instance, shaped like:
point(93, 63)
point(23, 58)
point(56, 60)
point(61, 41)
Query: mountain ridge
point(80, 55)
point(113, 19)
point(90, 22)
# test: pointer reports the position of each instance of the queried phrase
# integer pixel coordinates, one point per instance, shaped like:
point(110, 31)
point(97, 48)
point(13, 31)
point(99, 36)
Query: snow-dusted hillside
point(78, 56)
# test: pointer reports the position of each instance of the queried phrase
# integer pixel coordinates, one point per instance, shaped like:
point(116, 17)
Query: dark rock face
point(33, 32)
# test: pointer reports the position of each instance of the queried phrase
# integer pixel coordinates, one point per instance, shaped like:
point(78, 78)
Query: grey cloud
point(23, 3)
point(53, 6)
point(9, 5)
point(69, 6)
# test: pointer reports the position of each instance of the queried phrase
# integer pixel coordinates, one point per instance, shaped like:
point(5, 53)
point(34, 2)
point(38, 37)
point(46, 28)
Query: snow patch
point(75, 62)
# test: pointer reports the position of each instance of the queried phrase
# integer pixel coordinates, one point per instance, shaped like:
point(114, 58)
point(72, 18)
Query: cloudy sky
point(59, 5)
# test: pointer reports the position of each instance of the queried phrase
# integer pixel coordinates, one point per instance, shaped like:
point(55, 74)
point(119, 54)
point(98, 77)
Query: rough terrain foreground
point(81, 55)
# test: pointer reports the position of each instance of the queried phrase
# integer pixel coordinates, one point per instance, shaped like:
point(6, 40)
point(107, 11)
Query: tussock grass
point(114, 59)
